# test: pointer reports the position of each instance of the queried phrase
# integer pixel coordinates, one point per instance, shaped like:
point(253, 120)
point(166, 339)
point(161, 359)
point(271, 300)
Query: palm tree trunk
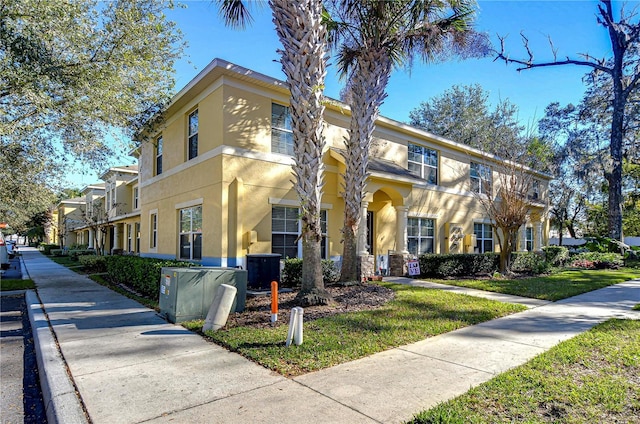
point(367, 85)
point(303, 59)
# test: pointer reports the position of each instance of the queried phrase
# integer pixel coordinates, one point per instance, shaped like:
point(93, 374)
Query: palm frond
point(234, 13)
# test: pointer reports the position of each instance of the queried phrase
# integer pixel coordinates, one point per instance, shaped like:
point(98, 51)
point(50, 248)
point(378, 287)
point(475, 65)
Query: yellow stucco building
point(215, 181)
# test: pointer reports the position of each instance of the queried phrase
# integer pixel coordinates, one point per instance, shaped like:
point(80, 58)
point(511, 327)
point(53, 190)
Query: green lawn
point(69, 262)
point(556, 286)
point(592, 378)
point(415, 314)
point(7, 285)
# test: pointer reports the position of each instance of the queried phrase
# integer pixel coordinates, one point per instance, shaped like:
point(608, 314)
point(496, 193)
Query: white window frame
point(192, 135)
point(129, 238)
point(296, 233)
point(480, 178)
point(286, 132)
point(158, 154)
point(425, 167)
point(480, 240)
point(421, 238)
point(528, 239)
point(136, 197)
point(191, 233)
point(153, 230)
point(137, 237)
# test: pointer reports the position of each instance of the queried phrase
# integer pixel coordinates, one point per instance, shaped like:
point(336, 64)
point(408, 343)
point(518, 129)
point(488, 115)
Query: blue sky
point(570, 24)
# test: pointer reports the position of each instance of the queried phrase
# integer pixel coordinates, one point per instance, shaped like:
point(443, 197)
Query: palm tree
point(372, 37)
point(303, 35)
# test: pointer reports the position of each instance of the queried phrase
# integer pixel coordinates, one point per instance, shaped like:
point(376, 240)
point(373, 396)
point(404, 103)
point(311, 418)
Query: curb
point(62, 404)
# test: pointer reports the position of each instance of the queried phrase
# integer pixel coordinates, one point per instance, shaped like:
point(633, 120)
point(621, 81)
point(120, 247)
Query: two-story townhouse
point(107, 217)
point(66, 216)
point(216, 181)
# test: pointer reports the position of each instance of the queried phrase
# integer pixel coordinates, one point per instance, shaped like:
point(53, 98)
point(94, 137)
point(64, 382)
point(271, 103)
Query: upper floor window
point(484, 237)
point(159, 155)
point(193, 135)
point(420, 232)
point(480, 178)
point(423, 162)
point(136, 193)
point(191, 233)
point(285, 228)
point(535, 190)
point(281, 133)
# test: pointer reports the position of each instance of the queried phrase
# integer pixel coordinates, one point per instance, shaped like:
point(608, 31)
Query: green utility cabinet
point(187, 293)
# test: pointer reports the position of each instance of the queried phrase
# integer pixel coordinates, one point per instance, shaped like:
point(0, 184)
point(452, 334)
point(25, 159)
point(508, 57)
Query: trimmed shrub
point(57, 252)
point(292, 272)
point(556, 255)
point(93, 263)
point(75, 254)
point(529, 263)
point(140, 274)
point(456, 265)
point(599, 260)
point(46, 248)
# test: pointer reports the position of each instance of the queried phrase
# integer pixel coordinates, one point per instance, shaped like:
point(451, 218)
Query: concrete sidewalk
point(131, 366)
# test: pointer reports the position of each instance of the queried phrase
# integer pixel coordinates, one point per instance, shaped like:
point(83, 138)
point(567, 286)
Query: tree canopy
point(79, 78)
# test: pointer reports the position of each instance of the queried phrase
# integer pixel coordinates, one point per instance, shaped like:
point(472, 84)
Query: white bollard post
point(297, 334)
point(292, 324)
point(220, 308)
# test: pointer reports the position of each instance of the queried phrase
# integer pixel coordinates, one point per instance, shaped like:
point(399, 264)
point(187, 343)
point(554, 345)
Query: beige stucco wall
point(237, 179)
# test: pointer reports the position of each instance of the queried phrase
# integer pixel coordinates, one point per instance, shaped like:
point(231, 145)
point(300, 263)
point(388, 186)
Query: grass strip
point(592, 378)
point(415, 314)
point(555, 286)
point(13, 284)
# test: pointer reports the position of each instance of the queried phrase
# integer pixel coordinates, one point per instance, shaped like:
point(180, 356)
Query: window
point(159, 155)
point(191, 233)
point(423, 162)
point(484, 237)
point(480, 178)
point(281, 133)
point(137, 226)
point(285, 228)
point(528, 239)
point(136, 193)
point(153, 225)
point(535, 190)
point(129, 238)
point(420, 232)
point(193, 134)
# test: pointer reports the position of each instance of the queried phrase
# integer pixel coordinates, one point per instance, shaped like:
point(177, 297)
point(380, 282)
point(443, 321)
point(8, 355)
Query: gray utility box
point(187, 293)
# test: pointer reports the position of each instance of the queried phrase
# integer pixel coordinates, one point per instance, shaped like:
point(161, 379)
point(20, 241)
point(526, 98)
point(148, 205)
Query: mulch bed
point(352, 298)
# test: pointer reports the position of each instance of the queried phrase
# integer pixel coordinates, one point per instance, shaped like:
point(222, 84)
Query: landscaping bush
point(57, 252)
point(140, 274)
point(46, 248)
point(529, 263)
point(455, 265)
point(75, 254)
point(556, 255)
point(93, 263)
point(598, 260)
point(292, 272)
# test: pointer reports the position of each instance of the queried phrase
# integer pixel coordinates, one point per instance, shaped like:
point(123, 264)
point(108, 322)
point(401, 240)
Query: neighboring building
point(215, 181)
point(107, 218)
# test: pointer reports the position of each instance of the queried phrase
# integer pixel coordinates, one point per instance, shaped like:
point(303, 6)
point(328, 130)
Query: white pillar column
point(116, 236)
point(362, 230)
point(90, 241)
point(402, 213)
point(537, 236)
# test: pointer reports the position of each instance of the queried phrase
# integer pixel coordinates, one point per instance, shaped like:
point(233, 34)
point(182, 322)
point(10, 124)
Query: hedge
point(529, 263)
point(556, 255)
point(46, 248)
point(292, 272)
point(140, 274)
point(456, 265)
point(598, 260)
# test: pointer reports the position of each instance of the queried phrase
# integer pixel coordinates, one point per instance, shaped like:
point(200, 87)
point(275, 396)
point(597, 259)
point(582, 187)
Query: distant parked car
point(12, 249)
point(4, 253)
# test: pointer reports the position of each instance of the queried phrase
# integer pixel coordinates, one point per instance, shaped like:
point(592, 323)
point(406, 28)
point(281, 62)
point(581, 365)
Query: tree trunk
point(614, 176)
point(367, 84)
point(303, 59)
